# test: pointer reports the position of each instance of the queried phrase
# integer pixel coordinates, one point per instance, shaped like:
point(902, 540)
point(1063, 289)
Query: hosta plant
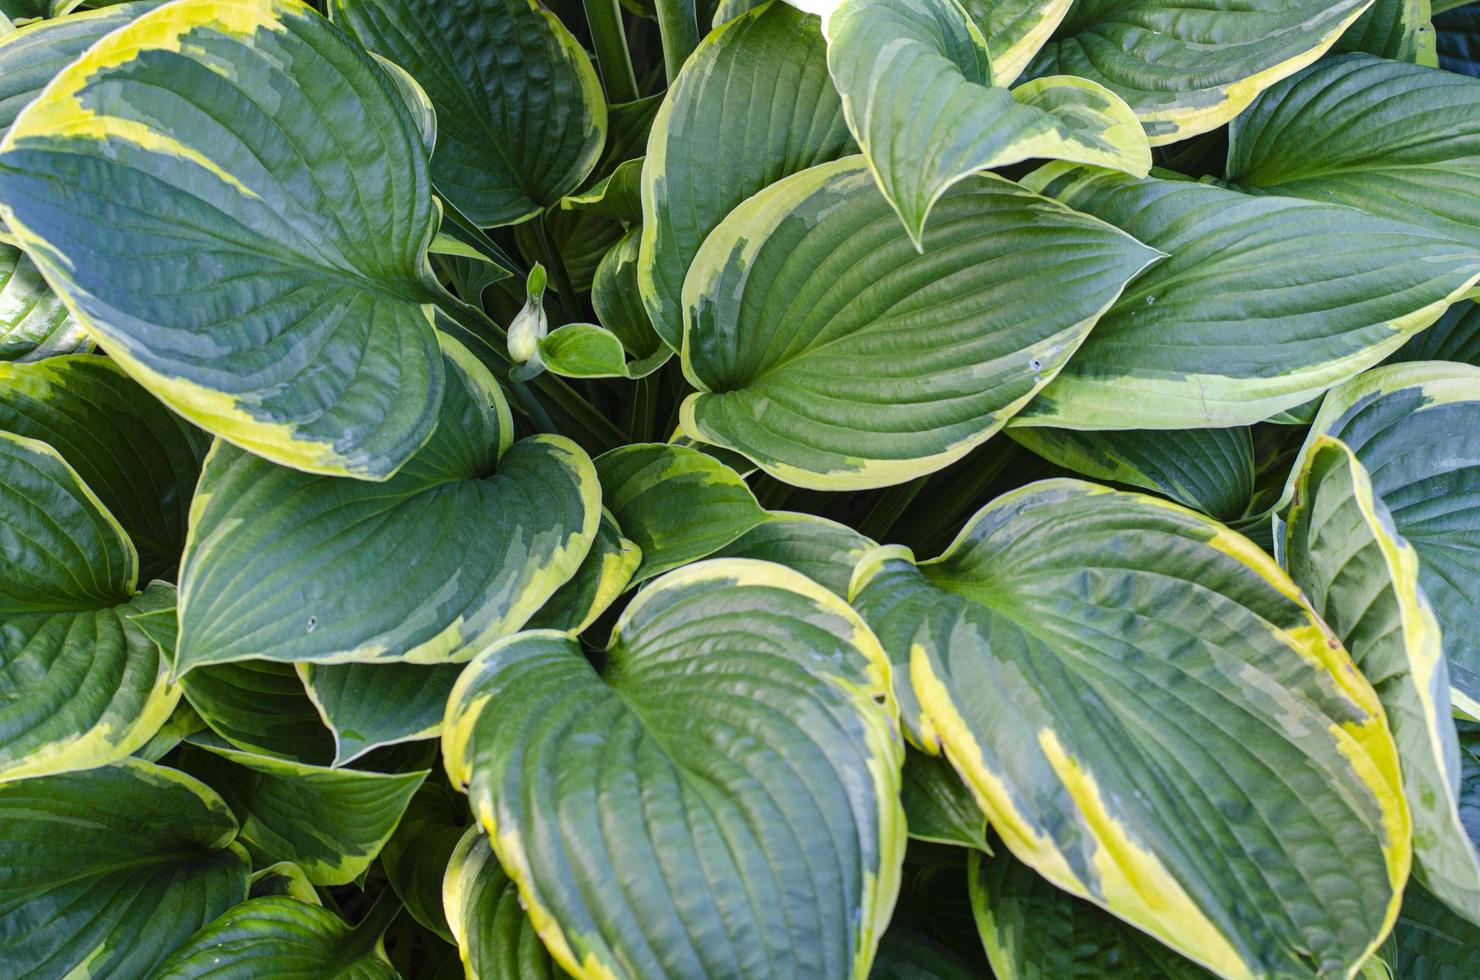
point(805, 490)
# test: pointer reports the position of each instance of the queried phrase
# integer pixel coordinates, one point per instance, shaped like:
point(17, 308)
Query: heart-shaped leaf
point(141, 460)
point(1332, 134)
point(288, 566)
point(714, 143)
point(521, 117)
point(830, 351)
point(34, 323)
point(193, 147)
point(1145, 710)
point(1345, 553)
point(1416, 429)
point(83, 684)
point(1186, 66)
point(721, 677)
point(330, 822)
point(107, 871)
point(1203, 338)
point(602, 577)
point(917, 91)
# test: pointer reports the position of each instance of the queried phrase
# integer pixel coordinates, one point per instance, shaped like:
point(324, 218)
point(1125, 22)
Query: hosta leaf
point(1416, 429)
point(1034, 931)
point(755, 831)
point(580, 237)
point(283, 878)
point(81, 684)
point(1431, 942)
point(141, 460)
point(617, 195)
point(1455, 336)
point(417, 855)
point(1211, 470)
point(260, 706)
point(1202, 339)
point(288, 566)
point(675, 503)
point(195, 146)
point(714, 143)
point(830, 351)
point(1344, 552)
point(1330, 134)
point(937, 805)
point(602, 577)
point(907, 955)
point(617, 298)
point(823, 550)
point(1397, 29)
point(282, 938)
point(1014, 31)
point(495, 938)
point(917, 91)
point(1186, 66)
point(108, 870)
point(330, 822)
point(32, 56)
point(1457, 39)
point(366, 706)
point(183, 721)
point(1146, 712)
point(34, 323)
point(586, 350)
point(521, 117)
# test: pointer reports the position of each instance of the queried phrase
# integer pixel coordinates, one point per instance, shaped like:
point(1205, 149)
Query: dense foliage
point(848, 488)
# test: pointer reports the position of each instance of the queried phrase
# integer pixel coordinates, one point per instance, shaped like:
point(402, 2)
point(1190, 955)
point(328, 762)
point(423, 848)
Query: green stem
point(369, 930)
point(555, 264)
point(573, 414)
point(645, 409)
point(612, 56)
point(679, 27)
point(887, 509)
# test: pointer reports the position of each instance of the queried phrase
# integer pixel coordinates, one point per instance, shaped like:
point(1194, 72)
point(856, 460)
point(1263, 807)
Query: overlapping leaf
point(1344, 552)
point(495, 938)
point(1206, 337)
point(835, 355)
point(1014, 31)
point(675, 503)
point(280, 937)
point(83, 684)
point(107, 871)
point(141, 460)
point(1146, 712)
point(521, 118)
point(823, 550)
point(260, 706)
point(1211, 470)
point(288, 566)
point(257, 264)
point(721, 678)
point(714, 144)
point(1390, 138)
point(1185, 66)
point(32, 56)
point(34, 323)
point(916, 85)
point(330, 822)
point(1416, 429)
